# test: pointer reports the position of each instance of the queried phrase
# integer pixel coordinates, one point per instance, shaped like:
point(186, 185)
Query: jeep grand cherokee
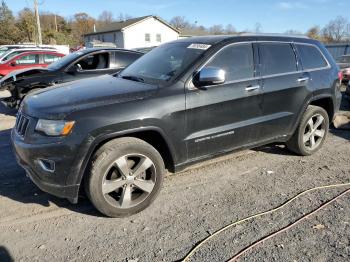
point(183, 102)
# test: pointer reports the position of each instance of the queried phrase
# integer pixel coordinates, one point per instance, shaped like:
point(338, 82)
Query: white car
point(13, 52)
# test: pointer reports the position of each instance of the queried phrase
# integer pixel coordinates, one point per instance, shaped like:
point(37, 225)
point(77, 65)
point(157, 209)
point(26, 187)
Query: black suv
point(80, 64)
point(183, 102)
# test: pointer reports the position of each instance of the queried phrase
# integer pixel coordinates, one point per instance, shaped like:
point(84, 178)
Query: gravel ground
point(193, 204)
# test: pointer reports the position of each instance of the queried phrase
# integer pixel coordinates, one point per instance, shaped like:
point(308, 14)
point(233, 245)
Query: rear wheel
point(311, 132)
point(126, 176)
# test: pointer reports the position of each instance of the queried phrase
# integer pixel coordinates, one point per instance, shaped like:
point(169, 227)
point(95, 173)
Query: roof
point(95, 49)
point(120, 25)
point(214, 39)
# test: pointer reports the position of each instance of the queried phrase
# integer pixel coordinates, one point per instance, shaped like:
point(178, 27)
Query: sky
point(274, 16)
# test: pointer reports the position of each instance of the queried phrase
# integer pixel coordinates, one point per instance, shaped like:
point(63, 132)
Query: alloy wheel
point(129, 180)
point(314, 132)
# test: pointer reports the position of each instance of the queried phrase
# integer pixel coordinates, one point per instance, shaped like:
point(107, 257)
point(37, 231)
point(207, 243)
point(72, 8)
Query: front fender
point(92, 143)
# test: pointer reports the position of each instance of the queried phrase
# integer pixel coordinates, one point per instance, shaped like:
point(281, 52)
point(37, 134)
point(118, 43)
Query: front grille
point(22, 123)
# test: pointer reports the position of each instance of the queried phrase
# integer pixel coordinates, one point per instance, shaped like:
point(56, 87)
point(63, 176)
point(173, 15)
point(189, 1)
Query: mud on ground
point(35, 226)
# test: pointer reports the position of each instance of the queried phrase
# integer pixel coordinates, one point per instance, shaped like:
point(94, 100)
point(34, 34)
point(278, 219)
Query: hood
point(18, 74)
point(58, 101)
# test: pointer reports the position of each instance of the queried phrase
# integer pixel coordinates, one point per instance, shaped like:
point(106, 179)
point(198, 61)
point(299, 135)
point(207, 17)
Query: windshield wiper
point(134, 78)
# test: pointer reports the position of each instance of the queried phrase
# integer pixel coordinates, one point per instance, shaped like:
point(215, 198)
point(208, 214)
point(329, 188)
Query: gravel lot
point(35, 226)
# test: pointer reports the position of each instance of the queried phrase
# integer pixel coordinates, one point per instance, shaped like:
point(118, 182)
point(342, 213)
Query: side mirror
point(209, 76)
point(74, 69)
point(14, 63)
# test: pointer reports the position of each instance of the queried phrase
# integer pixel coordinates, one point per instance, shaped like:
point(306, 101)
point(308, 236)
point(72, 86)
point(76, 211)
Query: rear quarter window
point(277, 58)
point(123, 59)
point(311, 57)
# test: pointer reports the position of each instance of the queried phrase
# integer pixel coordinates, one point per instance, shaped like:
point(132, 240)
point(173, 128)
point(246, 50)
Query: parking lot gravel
point(193, 204)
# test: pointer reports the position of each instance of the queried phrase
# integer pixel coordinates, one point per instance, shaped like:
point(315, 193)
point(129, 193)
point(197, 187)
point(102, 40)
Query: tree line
point(56, 29)
point(335, 31)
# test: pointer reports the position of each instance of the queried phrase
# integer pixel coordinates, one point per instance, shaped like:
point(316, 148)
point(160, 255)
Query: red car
point(29, 59)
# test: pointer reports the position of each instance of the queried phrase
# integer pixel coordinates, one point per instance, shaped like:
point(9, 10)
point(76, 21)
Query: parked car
point(145, 49)
point(14, 52)
point(344, 64)
point(183, 102)
point(82, 64)
point(6, 48)
point(28, 60)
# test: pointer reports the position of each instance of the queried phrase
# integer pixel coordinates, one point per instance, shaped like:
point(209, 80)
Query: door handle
point(303, 79)
point(252, 88)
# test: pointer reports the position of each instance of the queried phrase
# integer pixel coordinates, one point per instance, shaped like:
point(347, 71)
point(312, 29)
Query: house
point(137, 32)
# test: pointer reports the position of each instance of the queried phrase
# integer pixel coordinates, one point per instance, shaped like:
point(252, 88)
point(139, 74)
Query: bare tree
point(123, 17)
point(336, 29)
point(82, 24)
point(216, 30)
point(230, 29)
point(27, 24)
point(257, 28)
point(8, 30)
point(105, 18)
point(180, 22)
point(314, 33)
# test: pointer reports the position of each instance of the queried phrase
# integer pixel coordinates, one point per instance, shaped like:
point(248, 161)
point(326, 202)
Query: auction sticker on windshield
point(199, 46)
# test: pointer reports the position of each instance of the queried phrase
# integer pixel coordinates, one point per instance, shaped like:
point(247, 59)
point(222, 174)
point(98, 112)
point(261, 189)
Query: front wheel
point(126, 176)
point(311, 132)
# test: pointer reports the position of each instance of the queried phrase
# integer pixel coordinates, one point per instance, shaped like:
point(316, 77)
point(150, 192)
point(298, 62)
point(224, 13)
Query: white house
point(138, 32)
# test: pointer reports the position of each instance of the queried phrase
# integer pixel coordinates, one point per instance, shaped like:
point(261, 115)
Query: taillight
point(340, 76)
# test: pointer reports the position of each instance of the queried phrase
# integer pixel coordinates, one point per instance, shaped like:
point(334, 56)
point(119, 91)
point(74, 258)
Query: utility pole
point(56, 23)
point(38, 22)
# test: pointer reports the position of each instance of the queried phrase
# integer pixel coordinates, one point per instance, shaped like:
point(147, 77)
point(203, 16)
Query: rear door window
point(277, 58)
point(48, 59)
point(311, 57)
point(28, 60)
point(236, 60)
point(123, 59)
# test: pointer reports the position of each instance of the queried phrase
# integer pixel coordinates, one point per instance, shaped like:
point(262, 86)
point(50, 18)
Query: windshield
point(64, 61)
point(3, 50)
point(163, 63)
point(6, 56)
point(5, 53)
point(344, 59)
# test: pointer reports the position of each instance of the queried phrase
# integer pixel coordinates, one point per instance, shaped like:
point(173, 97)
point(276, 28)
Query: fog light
point(47, 165)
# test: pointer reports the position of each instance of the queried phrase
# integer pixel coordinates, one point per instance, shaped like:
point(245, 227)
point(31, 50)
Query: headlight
point(54, 127)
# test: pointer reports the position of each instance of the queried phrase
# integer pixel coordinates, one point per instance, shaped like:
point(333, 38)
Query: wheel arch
point(152, 135)
point(325, 102)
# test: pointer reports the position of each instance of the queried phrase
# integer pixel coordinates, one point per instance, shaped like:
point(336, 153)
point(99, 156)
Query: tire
point(116, 184)
point(311, 132)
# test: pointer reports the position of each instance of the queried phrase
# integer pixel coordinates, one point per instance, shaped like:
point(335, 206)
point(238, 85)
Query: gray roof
point(118, 26)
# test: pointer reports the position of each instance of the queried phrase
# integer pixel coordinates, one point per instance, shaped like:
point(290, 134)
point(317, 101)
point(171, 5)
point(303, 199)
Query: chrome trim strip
point(212, 132)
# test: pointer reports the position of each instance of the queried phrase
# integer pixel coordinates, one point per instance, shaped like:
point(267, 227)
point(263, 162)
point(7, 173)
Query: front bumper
point(52, 182)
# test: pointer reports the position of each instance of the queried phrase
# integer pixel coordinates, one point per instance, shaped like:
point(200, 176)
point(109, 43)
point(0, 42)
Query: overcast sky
point(273, 15)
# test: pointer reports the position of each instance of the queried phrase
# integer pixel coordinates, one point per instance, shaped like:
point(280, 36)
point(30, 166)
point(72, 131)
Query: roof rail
point(274, 34)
